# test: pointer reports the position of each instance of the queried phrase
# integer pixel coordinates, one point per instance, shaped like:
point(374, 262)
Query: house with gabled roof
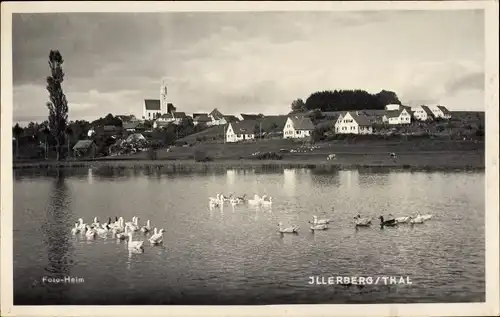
point(241, 131)
point(201, 118)
point(152, 109)
point(441, 112)
point(85, 149)
point(353, 122)
point(423, 113)
point(298, 127)
point(216, 118)
point(401, 116)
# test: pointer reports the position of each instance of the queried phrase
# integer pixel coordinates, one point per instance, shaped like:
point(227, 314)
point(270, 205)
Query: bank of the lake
point(426, 161)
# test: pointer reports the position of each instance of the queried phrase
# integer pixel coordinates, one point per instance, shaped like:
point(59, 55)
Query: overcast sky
point(246, 62)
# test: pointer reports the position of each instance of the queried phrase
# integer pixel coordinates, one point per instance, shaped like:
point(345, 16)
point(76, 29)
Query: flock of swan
point(121, 230)
point(316, 224)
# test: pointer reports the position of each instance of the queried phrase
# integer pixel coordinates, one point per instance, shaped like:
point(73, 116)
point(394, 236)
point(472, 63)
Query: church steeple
point(163, 97)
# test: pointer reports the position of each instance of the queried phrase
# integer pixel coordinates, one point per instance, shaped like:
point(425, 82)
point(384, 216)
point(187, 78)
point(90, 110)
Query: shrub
point(269, 156)
point(201, 156)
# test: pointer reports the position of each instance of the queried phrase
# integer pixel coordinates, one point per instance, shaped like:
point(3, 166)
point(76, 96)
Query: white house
point(353, 123)
point(422, 113)
point(297, 127)
point(216, 118)
point(401, 116)
point(152, 109)
point(240, 131)
point(441, 112)
point(390, 107)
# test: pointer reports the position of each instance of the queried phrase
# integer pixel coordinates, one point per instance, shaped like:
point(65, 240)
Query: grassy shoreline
point(418, 162)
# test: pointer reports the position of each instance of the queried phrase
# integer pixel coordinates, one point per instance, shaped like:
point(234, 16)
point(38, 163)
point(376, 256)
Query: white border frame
point(490, 308)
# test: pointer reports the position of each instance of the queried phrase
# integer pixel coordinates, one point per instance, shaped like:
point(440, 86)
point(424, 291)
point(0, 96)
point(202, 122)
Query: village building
point(152, 109)
point(241, 131)
point(201, 118)
point(216, 118)
point(441, 112)
point(401, 116)
point(353, 123)
point(85, 149)
point(423, 113)
point(160, 124)
point(126, 118)
point(298, 127)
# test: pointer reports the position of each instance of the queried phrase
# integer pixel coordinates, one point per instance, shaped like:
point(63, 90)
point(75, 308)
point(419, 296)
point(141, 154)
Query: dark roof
point(83, 144)
point(166, 116)
point(244, 127)
point(392, 113)
point(130, 125)
point(216, 114)
point(444, 110)
point(152, 104)
point(301, 123)
point(179, 115)
point(202, 118)
point(195, 115)
point(125, 117)
point(272, 123)
point(231, 118)
point(427, 110)
point(246, 116)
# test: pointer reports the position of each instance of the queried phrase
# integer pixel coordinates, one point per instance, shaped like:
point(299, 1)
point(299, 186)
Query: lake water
point(236, 255)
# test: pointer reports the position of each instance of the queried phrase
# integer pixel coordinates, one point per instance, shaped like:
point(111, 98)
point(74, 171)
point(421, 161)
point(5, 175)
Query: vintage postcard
point(249, 159)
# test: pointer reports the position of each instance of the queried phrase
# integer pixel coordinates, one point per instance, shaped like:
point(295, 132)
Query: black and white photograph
point(326, 156)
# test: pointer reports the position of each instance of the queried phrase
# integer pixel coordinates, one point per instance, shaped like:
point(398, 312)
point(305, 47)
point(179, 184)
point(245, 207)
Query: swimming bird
point(82, 226)
point(91, 233)
point(147, 227)
point(157, 237)
point(118, 227)
point(362, 222)
point(417, 220)
point(424, 217)
point(75, 229)
point(402, 219)
point(256, 200)
point(266, 202)
point(101, 231)
point(387, 223)
point(292, 229)
point(134, 244)
point(323, 226)
point(242, 198)
point(123, 235)
point(134, 226)
point(317, 221)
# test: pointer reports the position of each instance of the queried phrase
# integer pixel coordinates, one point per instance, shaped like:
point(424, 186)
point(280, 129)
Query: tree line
point(345, 100)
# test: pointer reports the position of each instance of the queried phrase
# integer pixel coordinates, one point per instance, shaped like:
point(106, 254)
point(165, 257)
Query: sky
point(246, 62)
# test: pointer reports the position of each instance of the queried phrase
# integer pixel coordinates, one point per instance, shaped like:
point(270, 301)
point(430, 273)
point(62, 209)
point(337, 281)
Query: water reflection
point(57, 234)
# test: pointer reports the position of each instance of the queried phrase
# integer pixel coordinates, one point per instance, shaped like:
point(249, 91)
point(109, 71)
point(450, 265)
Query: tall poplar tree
point(58, 105)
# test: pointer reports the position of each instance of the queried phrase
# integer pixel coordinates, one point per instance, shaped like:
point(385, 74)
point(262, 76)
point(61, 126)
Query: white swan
point(256, 200)
point(212, 199)
point(96, 222)
point(134, 226)
point(362, 222)
point(123, 235)
point(82, 226)
point(292, 229)
point(323, 226)
point(265, 201)
point(157, 237)
point(119, 227)
point(131, 222)
point(317, 221)
point(417, 219)
point(134, 244)
point(147, 227)
point(425, 217)
point(101, 231)
point(402, 219)
point(233, 201)
point(75, 229)
point(91, 233)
